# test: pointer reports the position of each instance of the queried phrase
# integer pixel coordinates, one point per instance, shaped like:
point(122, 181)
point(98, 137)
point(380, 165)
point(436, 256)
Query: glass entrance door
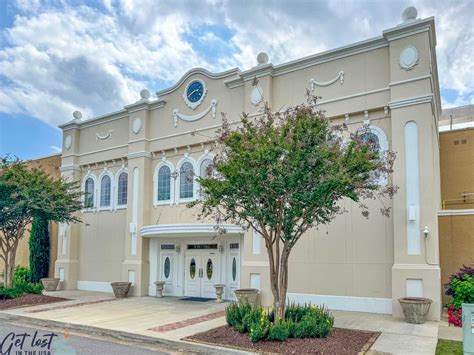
point(202, 272)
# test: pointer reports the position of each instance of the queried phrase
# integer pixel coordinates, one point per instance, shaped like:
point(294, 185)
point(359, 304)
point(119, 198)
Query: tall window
point(89, 193)
point(164, 183)
point(186, 181)
point(122, 189)
point(105, 188)
point(372, 140)
point(205, 168)
point(205, 172)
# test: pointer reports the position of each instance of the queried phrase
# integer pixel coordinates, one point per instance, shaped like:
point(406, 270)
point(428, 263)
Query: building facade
point(456, 219)
point(136, 167)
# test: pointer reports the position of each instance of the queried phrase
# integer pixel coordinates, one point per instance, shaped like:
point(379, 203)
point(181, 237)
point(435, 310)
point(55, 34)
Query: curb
point(122, 335)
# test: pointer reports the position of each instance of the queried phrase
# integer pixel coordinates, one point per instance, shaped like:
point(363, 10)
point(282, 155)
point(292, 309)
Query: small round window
point(192, 268)
point(234, 269)
point(209, 269)
point(167, 267)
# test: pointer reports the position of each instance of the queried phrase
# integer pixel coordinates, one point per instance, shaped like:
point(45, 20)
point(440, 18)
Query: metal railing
point(467, 198)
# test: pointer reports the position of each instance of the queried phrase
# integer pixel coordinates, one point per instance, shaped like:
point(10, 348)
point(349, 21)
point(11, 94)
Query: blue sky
point(57, 56)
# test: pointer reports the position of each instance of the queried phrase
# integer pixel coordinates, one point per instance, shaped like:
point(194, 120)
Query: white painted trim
point(178, 199)
point(411, 101)
point(117, 176)
point(155, 183)
point(141, 154)
point(190, 228)
point(428, 76)
point(340, 76)
point(256, 242)
point(353, 95)
point(134, 217)
point(412, 181)
point(83, 189)
point(96, 151)
point(94, 286)
point(71, 167)
point(465, 212)
point(345, 303)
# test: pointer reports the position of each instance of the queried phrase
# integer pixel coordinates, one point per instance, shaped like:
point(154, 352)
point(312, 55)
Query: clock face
point(195, 91)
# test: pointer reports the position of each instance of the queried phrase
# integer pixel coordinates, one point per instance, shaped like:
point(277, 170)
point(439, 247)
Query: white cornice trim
point(353, 95)
point(72, 167)
point(411, 101)
point(141, 154)
point(96, 151)
point(401, 82)
point(465, 212)
point(167, 229)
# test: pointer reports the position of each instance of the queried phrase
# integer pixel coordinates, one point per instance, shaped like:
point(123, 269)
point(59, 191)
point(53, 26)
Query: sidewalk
point(169, 319)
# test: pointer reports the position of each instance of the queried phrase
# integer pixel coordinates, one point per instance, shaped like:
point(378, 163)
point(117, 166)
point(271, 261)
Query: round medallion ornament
point(408, 57)
point(136, 125)
point(67, 142)
point(256, 96)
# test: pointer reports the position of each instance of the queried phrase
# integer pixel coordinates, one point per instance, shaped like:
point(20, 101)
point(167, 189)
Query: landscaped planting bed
point(340, 341)
point(29, 299)
point(303, 329)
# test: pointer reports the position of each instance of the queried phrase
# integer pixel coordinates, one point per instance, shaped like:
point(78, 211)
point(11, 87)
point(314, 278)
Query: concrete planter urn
point(160, 285)
point(121, 289)
point(247, 295)
point(415, 309)
point(219, 292)
point(50, 283)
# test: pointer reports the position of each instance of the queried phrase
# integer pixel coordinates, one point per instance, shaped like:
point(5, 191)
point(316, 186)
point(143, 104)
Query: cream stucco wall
point(363, 263)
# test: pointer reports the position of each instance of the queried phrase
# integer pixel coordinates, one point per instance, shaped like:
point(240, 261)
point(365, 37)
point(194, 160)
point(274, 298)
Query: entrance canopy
point(188, 230)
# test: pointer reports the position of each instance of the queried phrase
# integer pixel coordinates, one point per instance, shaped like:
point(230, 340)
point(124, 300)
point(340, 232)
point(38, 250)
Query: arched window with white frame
point(122, 189)
point(205, 170)
point(164, 183)
point(377, 140)
point(105, 200)
point(89, 193)
point(186, 181)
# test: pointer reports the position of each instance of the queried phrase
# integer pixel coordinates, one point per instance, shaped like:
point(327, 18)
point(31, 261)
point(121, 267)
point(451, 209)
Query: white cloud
point(59, 58)
point(55, 148)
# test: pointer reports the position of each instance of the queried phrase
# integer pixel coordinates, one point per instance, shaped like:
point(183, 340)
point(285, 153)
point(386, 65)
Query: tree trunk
point(283, 282)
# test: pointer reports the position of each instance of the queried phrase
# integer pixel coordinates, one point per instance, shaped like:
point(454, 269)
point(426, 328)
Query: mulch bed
point(29, 300)
point(340, 341)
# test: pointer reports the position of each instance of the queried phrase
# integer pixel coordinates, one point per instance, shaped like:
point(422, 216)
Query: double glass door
point(202, 272)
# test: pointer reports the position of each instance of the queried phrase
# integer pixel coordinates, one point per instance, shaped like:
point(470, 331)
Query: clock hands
point(192, 92)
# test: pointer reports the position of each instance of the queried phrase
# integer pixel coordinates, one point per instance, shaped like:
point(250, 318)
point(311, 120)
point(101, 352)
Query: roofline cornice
point(201, 71)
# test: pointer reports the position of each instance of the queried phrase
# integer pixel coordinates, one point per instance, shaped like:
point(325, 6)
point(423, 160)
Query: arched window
point(186, 180)
point(122, 189)
point(372, 140)
point(204, 170)
point(105, 190)
point(164, 183)
point(89, 193)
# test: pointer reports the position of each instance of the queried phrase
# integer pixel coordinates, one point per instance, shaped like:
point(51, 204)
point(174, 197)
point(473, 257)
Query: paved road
point(15, 338)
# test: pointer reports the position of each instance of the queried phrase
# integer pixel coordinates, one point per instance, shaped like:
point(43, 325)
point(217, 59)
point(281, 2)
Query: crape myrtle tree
point(283, 173)
point(26, 194)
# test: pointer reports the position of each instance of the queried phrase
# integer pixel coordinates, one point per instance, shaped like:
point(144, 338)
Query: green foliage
point(300, 322)
point(21, 284)
point(449, 347)
point(26, 194)
point(279, 331)
point(463, 290)
point(39, 249)
point(286, 172)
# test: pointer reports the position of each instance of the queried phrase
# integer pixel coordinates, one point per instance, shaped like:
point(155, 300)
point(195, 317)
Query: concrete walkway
point(169, 320)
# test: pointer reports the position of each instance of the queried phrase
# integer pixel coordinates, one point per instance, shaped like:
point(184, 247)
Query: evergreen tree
point(39, 249)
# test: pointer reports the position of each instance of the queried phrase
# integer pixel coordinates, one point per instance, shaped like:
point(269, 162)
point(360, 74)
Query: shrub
point(279, 331)
point(461, 288)
point(21, 285)
point(39, 249)
point(300, 322)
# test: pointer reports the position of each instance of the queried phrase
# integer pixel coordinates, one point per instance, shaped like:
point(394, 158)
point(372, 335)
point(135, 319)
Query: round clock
point(194, 93)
